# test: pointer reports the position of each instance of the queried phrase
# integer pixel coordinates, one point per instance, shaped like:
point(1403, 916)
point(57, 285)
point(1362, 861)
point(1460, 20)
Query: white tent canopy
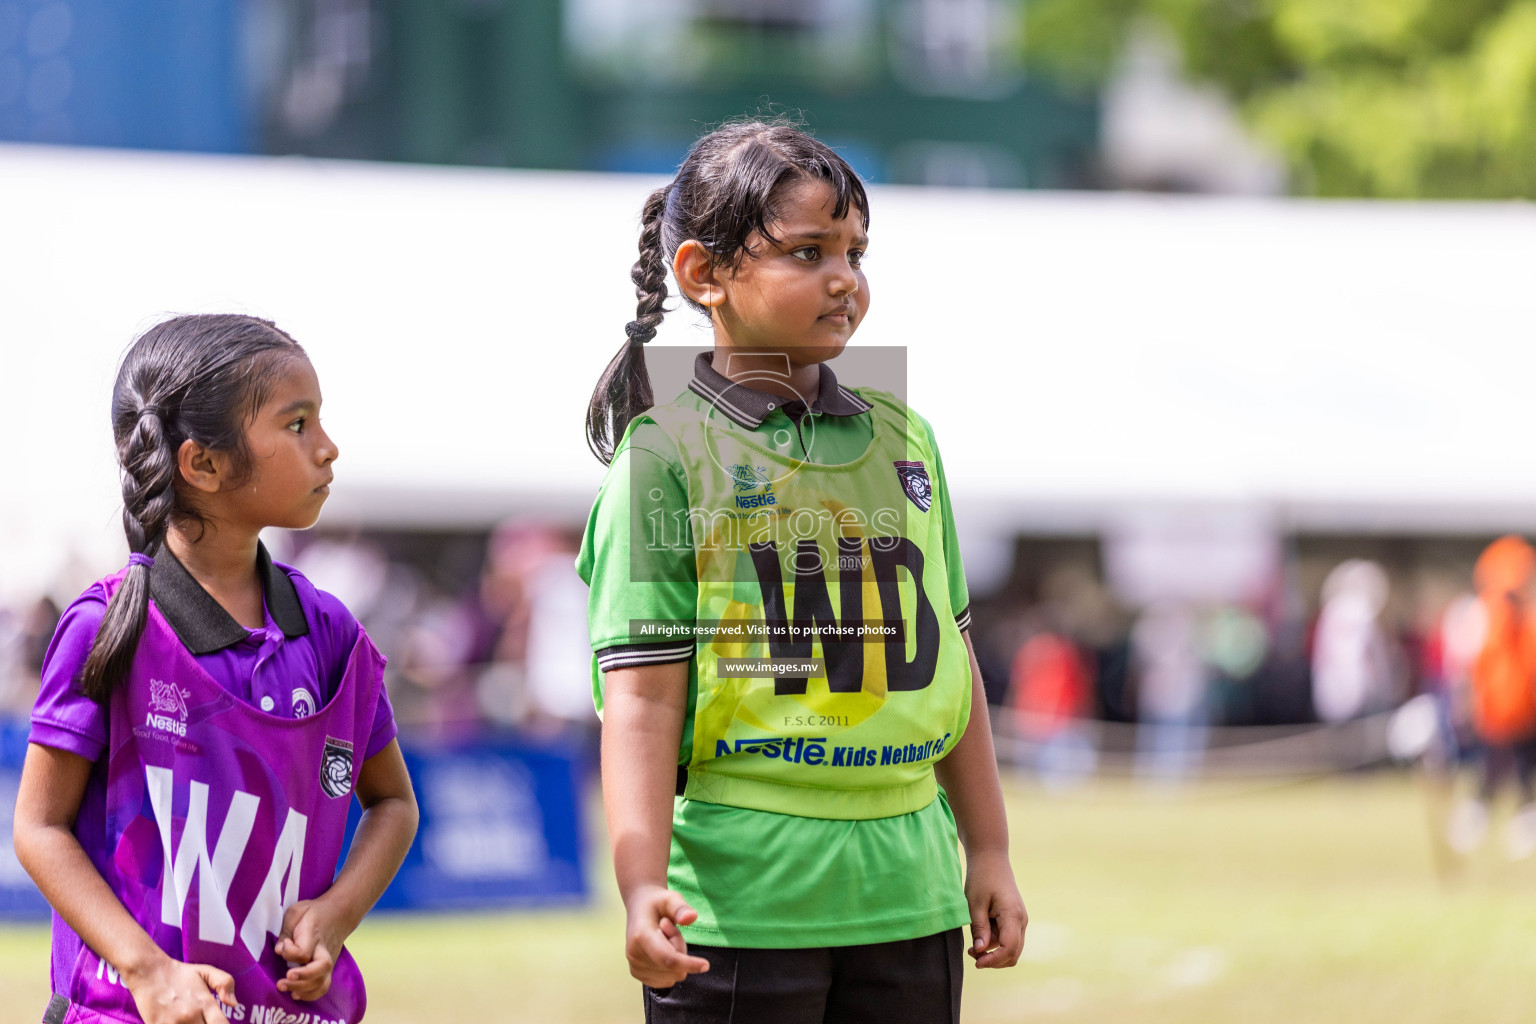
point(1079, 355)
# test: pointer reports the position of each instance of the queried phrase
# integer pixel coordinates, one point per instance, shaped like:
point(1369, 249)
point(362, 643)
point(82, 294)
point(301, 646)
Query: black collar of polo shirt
point(200, 622)
point(748, 407)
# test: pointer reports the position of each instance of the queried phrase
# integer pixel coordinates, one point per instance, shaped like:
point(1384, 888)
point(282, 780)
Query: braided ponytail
point(149, 496)
point(624, 390)
point(191, 378)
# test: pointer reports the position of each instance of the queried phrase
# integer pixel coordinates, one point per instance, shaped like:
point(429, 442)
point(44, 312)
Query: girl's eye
point(856, 257)
point(297, 426)
point(807, 254)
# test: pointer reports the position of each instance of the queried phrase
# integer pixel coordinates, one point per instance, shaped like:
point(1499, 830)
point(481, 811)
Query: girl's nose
point(844, 281)
point(328, 452)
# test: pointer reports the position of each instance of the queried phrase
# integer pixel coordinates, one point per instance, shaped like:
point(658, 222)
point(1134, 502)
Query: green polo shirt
point(759, 879)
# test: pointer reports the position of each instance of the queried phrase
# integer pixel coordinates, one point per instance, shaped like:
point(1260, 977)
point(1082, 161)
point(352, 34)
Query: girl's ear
point(696, 274)
point(203, 469)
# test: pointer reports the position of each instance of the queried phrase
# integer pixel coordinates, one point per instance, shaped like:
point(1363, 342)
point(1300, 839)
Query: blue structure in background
point(19, 898)
point(145, 74)
point(501, 827)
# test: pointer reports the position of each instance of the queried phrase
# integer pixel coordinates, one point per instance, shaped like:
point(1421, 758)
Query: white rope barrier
point(1116, 748)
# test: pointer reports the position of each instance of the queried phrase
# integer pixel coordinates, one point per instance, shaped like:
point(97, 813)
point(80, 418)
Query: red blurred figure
point(1049, 688)
point(1048, 685)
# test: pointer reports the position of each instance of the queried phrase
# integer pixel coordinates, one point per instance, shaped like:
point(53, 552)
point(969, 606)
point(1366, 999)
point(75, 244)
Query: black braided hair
point(195, 378)
point(624, 390)
point(728, 189)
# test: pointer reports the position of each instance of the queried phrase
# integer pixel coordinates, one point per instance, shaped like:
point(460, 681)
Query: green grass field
point(1306, 903)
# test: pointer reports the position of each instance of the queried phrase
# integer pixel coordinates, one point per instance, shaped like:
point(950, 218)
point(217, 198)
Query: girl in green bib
point(794, 729)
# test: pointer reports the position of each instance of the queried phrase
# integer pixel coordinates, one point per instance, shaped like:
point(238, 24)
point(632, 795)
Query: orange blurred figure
point(1504, 674)
point(1503, 678)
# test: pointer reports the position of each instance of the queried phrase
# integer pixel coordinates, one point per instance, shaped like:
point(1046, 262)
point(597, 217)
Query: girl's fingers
point(675, 908)
point(658, 951)
point(222, 984)
point(981, 932)
point(1009, 928)
point(213, 1015)
point(681, 912)
point(674, 936)
point(311, 980)
point(306, 990)
point(315, 970)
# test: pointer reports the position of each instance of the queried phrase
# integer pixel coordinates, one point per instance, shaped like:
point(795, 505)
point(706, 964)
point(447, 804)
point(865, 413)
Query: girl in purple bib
point(207, 715)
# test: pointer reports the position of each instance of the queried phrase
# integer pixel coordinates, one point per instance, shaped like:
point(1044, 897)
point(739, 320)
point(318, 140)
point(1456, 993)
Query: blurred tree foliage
point(1390, 98)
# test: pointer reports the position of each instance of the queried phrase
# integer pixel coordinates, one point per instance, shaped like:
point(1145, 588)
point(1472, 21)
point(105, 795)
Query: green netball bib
point(831, 673)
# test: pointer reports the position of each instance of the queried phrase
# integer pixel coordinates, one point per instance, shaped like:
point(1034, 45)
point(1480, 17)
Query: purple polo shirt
point(289, 667)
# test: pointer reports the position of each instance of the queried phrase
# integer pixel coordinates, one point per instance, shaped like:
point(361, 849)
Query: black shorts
point(913, 981)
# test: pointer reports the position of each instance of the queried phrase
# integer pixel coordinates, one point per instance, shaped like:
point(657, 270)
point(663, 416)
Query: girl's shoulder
point(63, 717)
point(654, 432)
point(880, 398)
point(891, 404)
point(81, 618)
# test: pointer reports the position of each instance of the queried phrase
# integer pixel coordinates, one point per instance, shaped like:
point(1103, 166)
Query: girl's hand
point(657, 954)
point(171, 992)
point(998, 917)
point(314, 930)
point(310, 941)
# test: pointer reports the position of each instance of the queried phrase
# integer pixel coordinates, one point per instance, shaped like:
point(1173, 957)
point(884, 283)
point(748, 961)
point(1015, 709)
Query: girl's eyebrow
point(817, 236)
point(298, 405)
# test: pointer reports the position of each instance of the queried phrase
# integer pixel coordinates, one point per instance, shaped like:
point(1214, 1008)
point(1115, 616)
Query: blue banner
point(501, 826)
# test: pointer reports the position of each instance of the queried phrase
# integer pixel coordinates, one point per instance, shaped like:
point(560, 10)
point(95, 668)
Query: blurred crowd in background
point(1333, 631)
point(487, 631)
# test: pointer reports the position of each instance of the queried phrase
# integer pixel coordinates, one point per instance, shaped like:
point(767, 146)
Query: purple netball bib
point(219, 817)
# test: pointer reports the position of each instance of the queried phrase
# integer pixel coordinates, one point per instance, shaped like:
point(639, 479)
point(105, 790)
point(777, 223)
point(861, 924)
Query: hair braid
point(149, 477)
point(624, 390)
point(649, 272)
point(149, 497)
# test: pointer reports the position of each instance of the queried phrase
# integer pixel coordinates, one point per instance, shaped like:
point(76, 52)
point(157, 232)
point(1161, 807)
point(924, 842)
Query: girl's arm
point(968, 774)
point(643, 711)
point(166, 991)
point(315, 930)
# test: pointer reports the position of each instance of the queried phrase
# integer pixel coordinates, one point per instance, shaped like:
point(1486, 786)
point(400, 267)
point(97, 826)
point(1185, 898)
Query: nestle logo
point(166, 724)
point(168, 698)
point(746, 478)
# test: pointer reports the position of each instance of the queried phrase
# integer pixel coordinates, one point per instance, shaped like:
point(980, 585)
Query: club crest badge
point(303, 703)
point(336, 768)
point(914, 480)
